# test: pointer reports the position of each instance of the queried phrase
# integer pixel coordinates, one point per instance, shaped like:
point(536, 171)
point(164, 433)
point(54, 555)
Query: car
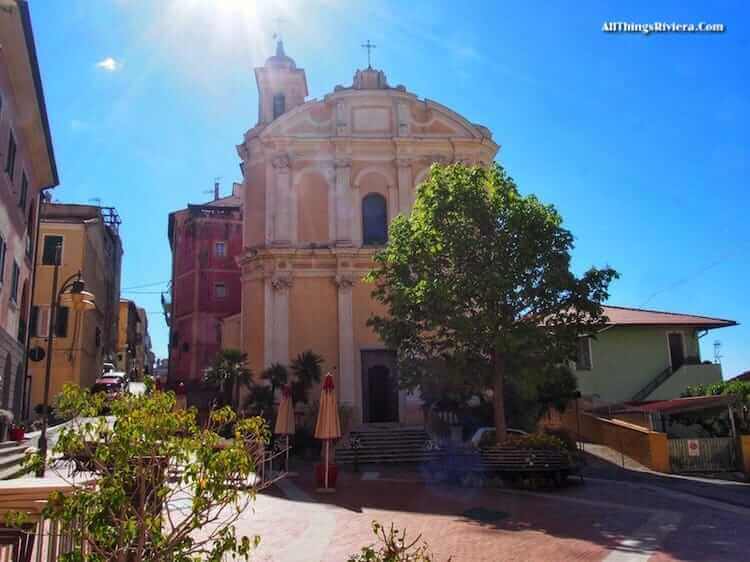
point(119, 375)
point(113, 387)
point(107, 368)
point(485, 436)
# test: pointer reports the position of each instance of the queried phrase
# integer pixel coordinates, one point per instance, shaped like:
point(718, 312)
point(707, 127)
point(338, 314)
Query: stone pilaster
point(282, 203)
point(280, 286)
point(344, 205)
point(405, 187)
point(344, 282)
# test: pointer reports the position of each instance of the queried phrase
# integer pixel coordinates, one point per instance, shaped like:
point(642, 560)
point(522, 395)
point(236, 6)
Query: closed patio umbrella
point(285, 418)
point(327, 426)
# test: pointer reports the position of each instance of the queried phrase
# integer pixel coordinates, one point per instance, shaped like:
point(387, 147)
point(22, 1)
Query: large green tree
point(478, 278)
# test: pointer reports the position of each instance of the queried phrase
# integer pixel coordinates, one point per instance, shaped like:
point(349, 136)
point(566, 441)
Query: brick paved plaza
point(613, 521)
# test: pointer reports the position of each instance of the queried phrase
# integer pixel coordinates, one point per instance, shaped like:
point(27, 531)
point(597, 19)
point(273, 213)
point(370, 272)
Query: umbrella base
point(325, 490)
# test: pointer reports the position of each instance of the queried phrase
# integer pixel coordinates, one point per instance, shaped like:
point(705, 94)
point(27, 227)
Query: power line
point(145, 285)
point(142, 292)
point(697, 273)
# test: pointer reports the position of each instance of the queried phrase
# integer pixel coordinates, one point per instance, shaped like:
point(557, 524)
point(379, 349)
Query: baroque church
point(322, 180)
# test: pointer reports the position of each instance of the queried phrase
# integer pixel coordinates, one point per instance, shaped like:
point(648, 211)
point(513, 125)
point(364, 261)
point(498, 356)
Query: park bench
point(509, 463)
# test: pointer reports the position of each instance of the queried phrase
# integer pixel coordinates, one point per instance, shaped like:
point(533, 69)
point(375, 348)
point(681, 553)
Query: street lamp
point(72, 292)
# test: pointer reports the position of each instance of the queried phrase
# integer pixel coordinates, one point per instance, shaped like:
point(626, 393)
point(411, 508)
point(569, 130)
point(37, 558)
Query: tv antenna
point(97, 200)
point(717, 352)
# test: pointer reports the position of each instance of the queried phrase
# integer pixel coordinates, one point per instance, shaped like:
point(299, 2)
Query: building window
point(10, 158)
point(14, 282)
point(220, 290)
point(39, 325)
point(3, 251)
point(220, 249)
point(24, 191)
point(61, 322)
point(279, 105)
point(583, 354)
point(49, 253)
point(374, 220)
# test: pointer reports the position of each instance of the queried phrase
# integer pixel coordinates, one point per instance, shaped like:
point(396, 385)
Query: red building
point(205, 239)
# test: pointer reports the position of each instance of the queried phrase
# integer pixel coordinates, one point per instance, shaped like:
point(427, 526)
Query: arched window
point(374, 220)
point(279, 105)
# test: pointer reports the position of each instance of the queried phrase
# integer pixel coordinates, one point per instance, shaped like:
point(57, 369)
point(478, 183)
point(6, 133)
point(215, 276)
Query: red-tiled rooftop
point(682, 404)
point(623, 316)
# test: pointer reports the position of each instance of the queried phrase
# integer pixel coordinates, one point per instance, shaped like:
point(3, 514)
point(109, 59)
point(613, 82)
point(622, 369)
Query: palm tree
point(307, 371)
point(228, 371)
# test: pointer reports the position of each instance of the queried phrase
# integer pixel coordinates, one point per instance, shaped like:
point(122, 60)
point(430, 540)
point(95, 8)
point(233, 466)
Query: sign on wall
point(694, 448)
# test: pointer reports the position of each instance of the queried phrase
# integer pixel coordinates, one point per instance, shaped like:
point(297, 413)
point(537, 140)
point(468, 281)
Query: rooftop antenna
point(97, 200)
point(717, 352)
point(215, 190)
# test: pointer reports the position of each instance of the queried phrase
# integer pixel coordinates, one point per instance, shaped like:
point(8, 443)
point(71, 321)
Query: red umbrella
point(327, 426)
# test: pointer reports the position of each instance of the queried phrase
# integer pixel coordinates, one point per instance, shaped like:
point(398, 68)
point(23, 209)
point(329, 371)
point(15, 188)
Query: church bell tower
point(281, 86)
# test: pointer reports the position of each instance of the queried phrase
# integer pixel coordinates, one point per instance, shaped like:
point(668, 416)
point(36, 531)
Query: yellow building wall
point(230, 332)
point(253, 318)
point(312, 209)
point(313, 319)
point(75, 358)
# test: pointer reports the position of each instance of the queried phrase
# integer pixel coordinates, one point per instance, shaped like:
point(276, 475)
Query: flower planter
point(17, 434)
point(320, 475)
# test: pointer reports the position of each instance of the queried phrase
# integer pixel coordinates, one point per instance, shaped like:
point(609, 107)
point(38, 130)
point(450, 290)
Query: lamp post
point(81, 300)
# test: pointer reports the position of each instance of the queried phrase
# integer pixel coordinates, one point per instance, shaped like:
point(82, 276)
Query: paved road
point(602, 520)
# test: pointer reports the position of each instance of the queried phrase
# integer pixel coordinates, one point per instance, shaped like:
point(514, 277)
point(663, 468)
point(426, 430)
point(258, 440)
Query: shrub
point(393, 546)
point(536, 441)
point(124, 517)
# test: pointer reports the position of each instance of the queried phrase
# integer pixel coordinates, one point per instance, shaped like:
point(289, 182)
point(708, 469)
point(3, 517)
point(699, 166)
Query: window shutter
point(61, 322)
point(50, 249)
point(2, 259)
point(34, 321)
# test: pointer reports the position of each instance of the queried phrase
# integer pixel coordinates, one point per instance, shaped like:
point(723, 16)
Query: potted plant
point(17, 432)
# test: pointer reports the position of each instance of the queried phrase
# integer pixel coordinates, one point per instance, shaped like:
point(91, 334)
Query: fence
point(716, 454)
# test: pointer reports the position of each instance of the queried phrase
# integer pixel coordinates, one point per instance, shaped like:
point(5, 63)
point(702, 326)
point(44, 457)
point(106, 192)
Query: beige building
point(127, 331)
point(322, 180)
point(90, 243)
point(27, 166)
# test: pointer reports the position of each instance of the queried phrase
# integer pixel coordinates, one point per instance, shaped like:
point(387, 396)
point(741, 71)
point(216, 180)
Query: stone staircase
point(385, 443)
point(11, 457)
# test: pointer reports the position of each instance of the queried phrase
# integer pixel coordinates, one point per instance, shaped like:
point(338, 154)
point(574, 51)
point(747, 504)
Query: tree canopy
point(478, 279)
point(166, 488)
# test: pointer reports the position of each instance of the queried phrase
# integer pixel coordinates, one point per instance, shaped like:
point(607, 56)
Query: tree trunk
point(236, 396)
point(498, 367)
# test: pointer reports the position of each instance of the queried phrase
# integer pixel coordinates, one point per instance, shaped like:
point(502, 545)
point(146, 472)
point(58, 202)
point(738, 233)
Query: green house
point(645, 355)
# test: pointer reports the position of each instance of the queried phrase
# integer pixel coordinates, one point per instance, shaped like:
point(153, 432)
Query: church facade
point(322, 180)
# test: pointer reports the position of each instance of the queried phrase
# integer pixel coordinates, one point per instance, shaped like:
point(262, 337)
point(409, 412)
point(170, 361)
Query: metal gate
point(716, 454)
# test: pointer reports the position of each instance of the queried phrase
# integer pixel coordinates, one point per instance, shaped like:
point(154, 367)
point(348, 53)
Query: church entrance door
point(379, 387)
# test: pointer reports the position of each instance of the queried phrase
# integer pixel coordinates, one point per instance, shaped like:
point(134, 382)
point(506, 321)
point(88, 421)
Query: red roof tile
point(622, 316)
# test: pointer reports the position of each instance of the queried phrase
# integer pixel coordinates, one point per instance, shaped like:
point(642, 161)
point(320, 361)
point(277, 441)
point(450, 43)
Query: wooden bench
point(509, 463)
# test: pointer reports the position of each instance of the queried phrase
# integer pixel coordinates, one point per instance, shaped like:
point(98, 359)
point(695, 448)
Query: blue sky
point(642, 142)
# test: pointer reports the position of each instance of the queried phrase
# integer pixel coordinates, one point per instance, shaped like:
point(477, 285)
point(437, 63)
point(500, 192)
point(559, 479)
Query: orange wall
point(253, 303)
point(312, 209)
point(745, 451)
point(363, 307)
point(313, 321)
point(255, 205)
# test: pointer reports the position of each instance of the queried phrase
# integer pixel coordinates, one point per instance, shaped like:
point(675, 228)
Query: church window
point(279, 105)
point(374, 220)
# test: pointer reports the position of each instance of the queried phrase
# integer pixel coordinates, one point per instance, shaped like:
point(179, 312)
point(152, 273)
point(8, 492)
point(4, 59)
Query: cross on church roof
point(369, 46)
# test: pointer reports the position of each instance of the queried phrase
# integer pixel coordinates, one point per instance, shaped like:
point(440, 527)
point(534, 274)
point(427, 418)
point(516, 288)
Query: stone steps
point(12, 455)
point(394, 444)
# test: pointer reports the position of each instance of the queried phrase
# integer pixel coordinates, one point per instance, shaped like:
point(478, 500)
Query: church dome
point(280, 59)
